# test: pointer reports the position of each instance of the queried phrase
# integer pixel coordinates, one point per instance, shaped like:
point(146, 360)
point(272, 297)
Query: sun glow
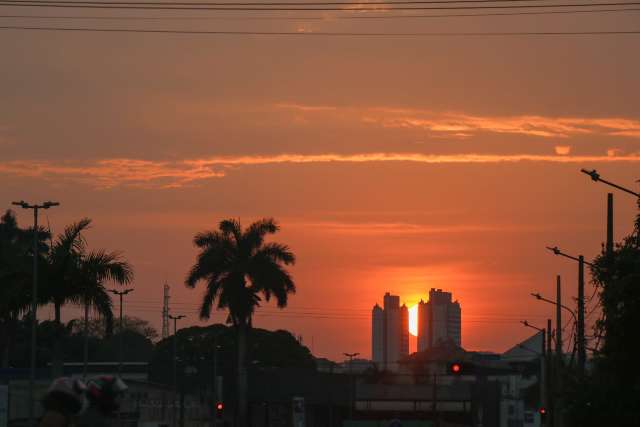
point(413, 320)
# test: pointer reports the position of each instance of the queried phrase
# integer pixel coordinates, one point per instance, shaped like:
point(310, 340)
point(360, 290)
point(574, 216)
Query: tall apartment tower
point(389, 332)
point(439, 320)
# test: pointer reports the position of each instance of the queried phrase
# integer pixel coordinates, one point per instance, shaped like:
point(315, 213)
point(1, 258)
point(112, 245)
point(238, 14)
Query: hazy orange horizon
point(392, 164)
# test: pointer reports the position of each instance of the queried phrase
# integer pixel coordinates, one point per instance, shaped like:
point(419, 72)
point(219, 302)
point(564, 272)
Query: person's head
point(64, 399)
point(104, 393)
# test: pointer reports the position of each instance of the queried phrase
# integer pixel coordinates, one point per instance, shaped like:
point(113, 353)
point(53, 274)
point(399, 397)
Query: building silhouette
point(389, 332)
point(439, 320)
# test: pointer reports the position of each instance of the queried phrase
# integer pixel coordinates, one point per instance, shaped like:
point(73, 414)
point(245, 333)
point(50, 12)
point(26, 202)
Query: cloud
point(403, 228)
point(108, 173)
point(465, 125)
point(562, 150)
point(113, 172)
point(614, 152)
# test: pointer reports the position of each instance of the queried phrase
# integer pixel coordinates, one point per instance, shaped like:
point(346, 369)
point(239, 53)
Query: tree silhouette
point(239, 269)
point(16, 275)
point(77, 276)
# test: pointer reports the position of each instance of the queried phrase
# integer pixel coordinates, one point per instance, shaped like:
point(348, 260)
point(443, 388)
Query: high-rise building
point(389, 332)
point(439, 320)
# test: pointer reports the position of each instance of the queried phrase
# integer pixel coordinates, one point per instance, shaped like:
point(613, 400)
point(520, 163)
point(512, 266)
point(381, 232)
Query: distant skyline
point(391, 164)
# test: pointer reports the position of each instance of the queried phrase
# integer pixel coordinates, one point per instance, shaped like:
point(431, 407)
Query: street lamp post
point(541, 298)
point(34, 301)
point(175, 365)
point(351, 356)
point(558, 402)
point(595, 176)
point(543, 363)
point(121, 349)
point(542, 331)
point(582, 354)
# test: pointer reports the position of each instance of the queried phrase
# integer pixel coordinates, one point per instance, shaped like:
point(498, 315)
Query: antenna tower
point(165, 313)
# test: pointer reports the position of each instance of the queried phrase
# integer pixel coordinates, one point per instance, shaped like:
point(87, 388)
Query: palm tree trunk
point(85, 351)
point(243, 407)
point(4, 344)
point(56, 365)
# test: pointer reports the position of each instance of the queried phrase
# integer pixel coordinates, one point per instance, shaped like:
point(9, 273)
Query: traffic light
point(543, 413)
point(219, 409)
point(456, 368)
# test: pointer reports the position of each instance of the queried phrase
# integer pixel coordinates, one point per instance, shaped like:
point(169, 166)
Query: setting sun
point(413, 320)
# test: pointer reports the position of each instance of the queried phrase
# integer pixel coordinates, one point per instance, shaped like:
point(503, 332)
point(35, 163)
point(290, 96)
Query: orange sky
point(391, 164)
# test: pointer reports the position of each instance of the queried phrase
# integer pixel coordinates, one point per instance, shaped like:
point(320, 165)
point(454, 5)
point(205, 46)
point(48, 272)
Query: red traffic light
point(219, 406)
point(455, 368)
point(543, 411)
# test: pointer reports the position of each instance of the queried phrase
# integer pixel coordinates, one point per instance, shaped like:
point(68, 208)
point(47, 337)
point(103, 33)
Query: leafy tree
point(611, 394)
point(195, 348)
point(16, 269)
point(239, 269)
point(97, 327)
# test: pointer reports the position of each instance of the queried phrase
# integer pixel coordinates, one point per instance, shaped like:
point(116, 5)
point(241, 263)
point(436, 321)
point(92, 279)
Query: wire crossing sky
point(400, 145)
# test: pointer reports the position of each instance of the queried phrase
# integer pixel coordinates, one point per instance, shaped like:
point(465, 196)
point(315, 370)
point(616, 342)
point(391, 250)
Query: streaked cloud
point(113, 172)
point(404, 228)
point(109, 173)
point(461, 125)
point(563, 150)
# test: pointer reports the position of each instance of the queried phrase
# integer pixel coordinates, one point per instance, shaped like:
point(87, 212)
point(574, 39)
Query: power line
point(314, 18)
point(322, 34)
point(265, 4)
point(177, 6)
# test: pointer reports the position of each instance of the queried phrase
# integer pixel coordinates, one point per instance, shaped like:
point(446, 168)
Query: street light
point(541, 298)
point(582, 354)
point(595, 176)
point(543, 363)
point(557, 251)
point(351, 356)
point(544, 335)
point(34, 301)
point(120, 352)
point(175, 358)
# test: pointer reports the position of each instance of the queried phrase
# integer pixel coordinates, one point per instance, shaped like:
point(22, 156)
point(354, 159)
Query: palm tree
point(78, 277)
point(239, 269)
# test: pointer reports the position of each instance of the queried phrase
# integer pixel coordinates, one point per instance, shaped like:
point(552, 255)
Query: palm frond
point(111, 266)
point(209, 298)
point(71, 239)
point(231, 227)
point(270, 278)
point(277, 253)
point(256, 232)
point(214, 259)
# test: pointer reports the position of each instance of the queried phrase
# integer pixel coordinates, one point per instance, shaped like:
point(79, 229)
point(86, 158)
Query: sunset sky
point(391, 163)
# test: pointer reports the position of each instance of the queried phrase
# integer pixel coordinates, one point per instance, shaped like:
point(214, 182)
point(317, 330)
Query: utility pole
point(558, 371)
point(549, 358)
point(434, 406)
point(582, 355)
point(558, 320)
point(580, 344)
point(542, 380)
point(121, 349)
point(85, 340)
point(352, 388)
point(609, 246)
point(216, 395)
point(175, 364)
point(34, 302)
